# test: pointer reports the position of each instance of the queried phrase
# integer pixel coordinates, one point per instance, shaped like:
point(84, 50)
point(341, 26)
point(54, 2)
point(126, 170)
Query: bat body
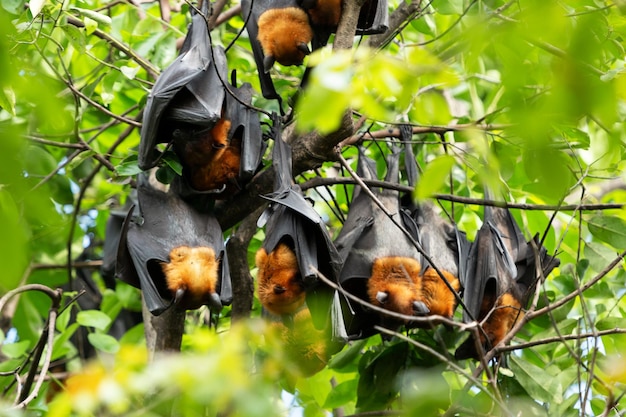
point(173, 253)
point(215, 134)
point(381, 264)
point(501, 276)
point(447, 248)
point(296, 248)
point(281, 290)
point(284, 35)
point(280, 30)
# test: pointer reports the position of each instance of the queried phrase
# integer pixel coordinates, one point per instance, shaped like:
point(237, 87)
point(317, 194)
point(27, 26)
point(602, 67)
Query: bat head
point(284, 35)
point(280, 285)
point(191, 277)
point(395, 285)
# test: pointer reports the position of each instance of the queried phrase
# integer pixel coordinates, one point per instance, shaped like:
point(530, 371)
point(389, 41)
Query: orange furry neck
point(280, 288)
point(437, 296)
point(280, 33)
point(193, 270)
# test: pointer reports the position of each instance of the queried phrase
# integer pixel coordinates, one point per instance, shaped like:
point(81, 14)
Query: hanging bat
point(219, 160)
point(296, 247)
point(447, 248)
point(501, 276)
point(210, 125)
point(380, 262)
point(173, 253)
point(279, 31)
point(188, 92)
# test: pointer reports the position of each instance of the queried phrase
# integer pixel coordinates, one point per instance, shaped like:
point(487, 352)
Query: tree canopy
point(524, 97)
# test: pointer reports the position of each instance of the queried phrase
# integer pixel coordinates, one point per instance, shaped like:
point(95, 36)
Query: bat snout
point(419, 308)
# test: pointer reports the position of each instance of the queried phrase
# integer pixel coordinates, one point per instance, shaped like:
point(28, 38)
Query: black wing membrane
point(162, 222)
point(189, 91)
point(501, 276)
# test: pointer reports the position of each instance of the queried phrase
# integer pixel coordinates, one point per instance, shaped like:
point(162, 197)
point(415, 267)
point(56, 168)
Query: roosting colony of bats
point(393, 260)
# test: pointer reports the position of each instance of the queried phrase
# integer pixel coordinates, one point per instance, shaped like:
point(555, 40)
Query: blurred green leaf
point(15, 350)
point(104, 342)
point(436, 173)
point(611, 230)
point(93, 318)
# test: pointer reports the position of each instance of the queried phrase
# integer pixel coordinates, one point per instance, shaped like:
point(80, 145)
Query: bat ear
point(268, 63)
point(304, 48)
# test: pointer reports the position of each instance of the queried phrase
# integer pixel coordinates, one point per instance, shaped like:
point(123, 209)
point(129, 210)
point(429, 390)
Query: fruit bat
point(446, 246)
point(280, 30)
point(501, 276)
point(382, 260)
point(296, 247)
point(189, 91)
point(378, 257)
point(219, 160)
point(213, 130)
point(173, 253)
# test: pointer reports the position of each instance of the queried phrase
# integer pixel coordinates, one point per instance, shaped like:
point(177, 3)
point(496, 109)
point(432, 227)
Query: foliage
point(526, 97)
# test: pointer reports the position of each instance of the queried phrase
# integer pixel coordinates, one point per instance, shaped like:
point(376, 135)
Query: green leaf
point(104, 342)
point(15, 350)
point(93, 318)
point(611, 230)
point(7, 100)
point(434, 176)
point(534, 380)
point(341, 394)
point(347, 356)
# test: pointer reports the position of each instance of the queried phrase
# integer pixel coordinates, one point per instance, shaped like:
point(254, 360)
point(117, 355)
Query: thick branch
point(397, 20)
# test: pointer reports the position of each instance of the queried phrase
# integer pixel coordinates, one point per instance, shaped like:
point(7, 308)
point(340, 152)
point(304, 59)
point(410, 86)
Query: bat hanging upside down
point(284, 34)
point(280, 285)
point(211, 161)
point(191, 276)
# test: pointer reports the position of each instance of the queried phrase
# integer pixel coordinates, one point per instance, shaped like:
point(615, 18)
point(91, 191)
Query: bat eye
point(218, 145)
point(279, 289)
point(382, 297)
point(420, 308)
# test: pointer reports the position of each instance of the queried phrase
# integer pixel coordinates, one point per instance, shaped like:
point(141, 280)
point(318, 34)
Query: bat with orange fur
point(381, 262)
point(173, 253)
point(501, 277)
point(209, 123)
point(296, 249)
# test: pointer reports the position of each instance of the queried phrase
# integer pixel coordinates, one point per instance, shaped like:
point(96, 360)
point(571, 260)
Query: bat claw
point(180, 293)
point(214, 302)
point(268, 63)
point(420, 308)
point(303, 47)
point(382, 297)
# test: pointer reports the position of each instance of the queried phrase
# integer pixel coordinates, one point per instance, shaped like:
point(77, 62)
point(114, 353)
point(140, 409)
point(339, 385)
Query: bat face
point(280, 284)
point(284, 35)
point(191, 276)
point(395, 285)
